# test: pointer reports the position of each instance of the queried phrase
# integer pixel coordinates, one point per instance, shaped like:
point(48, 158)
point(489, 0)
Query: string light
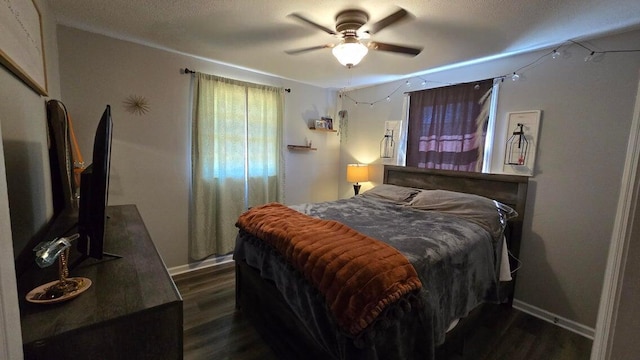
point(589, 57)
point(515, 75)
point(407, 83)
point(371, 104)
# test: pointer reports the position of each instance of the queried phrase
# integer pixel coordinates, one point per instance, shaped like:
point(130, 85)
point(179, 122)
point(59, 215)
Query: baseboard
point(200, 265)
point(555, 319)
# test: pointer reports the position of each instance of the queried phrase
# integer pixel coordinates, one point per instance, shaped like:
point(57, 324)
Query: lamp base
point(356, 188)
point(56, 291)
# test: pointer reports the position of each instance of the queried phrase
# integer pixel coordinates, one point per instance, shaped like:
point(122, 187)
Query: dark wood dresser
point(131, 311)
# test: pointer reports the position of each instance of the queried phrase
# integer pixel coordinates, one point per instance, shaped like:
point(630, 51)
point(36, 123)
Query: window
point(236, 137)
point(447, 126)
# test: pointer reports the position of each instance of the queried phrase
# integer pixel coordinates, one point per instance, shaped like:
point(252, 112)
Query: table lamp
point(357, 173)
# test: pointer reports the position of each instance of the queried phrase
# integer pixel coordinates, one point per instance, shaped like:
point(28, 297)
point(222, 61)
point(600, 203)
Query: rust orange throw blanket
point(357, 275)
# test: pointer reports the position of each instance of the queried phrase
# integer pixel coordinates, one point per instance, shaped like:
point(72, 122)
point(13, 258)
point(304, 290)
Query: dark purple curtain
point(447, 126)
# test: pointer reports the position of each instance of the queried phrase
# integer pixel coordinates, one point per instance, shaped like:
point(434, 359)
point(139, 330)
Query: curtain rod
point(187, 71)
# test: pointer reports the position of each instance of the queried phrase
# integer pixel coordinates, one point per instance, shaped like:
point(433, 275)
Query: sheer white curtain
point(235, 157)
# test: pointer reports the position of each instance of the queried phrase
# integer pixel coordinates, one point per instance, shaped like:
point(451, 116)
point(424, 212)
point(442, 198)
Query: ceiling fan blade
point(394, 48)
point(389, 20)
point(316, 25)
point(302, 50)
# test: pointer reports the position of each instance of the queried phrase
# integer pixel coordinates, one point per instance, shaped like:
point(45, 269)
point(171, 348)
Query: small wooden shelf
point(300, 147)
point(325, 130)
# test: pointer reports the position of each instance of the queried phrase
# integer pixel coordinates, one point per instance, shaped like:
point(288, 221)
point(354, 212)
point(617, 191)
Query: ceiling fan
point(354, 44)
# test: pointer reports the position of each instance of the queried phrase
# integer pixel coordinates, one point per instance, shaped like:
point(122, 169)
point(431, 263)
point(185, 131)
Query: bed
point(300, 320)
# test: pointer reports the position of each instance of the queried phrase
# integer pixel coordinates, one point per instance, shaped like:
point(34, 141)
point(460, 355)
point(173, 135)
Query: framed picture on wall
point(21, 45)
point(328, 121)
point(321, 124)
point(520, 145)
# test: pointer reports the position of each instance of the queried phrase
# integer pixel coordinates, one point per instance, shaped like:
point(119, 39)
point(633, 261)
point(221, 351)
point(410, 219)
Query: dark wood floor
point(213, 329)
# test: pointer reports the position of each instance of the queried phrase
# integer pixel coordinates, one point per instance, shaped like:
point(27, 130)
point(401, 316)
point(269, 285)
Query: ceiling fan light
point(350, 53)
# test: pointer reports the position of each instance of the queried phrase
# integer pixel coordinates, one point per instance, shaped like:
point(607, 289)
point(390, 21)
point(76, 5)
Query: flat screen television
point(94, 193)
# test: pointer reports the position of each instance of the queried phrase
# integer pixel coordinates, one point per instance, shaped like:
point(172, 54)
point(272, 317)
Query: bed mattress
point(458, 262)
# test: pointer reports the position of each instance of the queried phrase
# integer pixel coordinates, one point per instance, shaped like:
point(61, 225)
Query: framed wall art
point(21, 45)
point(521, 144)
point(321, 124)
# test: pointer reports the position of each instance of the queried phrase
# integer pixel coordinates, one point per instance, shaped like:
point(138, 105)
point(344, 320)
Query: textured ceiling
point(254, 34)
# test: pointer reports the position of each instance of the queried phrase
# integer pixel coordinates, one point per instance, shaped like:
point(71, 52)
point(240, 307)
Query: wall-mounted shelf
point(325, 130)
point(300, 148)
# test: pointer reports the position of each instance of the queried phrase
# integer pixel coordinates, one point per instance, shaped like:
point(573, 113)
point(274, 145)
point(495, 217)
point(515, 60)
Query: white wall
point(11, 340)
point(586, 114)
point(24, 124)
point(25, 190)
point(619, 307)
point(150, 164)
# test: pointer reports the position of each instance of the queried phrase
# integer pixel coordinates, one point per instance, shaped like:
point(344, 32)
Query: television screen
point(94, 190)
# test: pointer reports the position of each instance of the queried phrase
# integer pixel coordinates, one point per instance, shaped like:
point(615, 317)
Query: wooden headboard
point(508, 189)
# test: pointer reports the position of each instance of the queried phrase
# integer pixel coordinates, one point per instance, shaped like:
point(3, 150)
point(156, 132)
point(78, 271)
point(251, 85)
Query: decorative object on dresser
point(65, 288)
point(357, 173)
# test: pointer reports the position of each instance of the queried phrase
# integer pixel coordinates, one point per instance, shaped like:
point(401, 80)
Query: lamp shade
point(357, 173)
point(350, 53)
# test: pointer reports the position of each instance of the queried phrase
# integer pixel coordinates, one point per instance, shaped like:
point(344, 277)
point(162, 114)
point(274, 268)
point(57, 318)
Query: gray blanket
point(455, 260)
